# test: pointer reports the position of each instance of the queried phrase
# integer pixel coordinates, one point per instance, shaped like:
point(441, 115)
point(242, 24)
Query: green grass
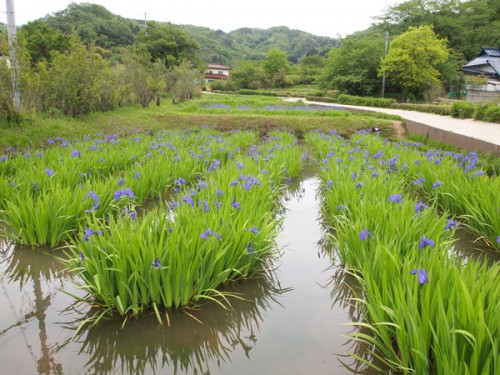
point(132, 119)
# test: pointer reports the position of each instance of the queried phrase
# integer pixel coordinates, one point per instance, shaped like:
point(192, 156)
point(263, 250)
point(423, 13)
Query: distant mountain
point(253, 44)
point(95, 24)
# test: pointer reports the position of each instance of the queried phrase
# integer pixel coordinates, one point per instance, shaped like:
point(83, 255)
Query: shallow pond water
point(290, 320)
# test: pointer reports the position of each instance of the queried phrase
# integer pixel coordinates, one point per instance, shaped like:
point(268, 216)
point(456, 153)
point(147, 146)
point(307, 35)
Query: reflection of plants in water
point(191, 342)
point(346, 293)
point(39, 270)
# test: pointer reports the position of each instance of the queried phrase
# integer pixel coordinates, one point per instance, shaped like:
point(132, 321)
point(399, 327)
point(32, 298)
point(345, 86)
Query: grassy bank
point(253, 113)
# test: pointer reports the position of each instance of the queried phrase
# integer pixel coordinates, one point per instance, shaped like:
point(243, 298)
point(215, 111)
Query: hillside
point(253, 44)
point(95, 24)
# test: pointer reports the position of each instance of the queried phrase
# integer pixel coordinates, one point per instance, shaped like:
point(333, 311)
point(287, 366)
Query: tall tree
point(169, 44)
point(276, 66)
point(413, 60)
point(43, 40)
point(353, 67)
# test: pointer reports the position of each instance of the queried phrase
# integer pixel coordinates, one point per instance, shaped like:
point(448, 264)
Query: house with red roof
point(216, 72)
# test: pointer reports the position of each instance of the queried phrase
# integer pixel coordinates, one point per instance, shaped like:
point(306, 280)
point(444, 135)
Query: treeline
point(59, 73)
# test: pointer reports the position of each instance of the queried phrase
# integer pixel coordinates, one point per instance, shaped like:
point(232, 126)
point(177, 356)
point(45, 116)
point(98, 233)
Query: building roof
point(216, 76)
point(217, 66)
point(489, 57)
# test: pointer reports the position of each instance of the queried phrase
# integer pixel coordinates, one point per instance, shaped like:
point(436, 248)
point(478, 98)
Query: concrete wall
point(459, 140)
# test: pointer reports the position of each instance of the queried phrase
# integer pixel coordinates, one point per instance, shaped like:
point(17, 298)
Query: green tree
point(146, 78)
point(170, 45)
point(248, 74)
point(276, 66)
point(184, 82)
point(413, 60)
point(310, 68)
point(79, 82)
point(353, 67)
point(42, 40)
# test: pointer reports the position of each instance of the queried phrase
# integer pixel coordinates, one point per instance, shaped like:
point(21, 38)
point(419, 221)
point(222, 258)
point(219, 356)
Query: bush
point(444, 110)
point(365, 101)
point(463, 109)
point(487, 112)
point(256, 92)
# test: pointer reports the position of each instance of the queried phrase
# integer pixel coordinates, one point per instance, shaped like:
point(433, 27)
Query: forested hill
point(253, 44)
point(95, 24)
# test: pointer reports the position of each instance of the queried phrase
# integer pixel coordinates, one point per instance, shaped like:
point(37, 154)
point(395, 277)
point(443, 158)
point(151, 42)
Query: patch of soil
point(399, 128)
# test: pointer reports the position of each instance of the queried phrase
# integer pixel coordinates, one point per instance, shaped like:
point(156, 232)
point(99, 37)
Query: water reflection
point(30, 269)
point(197, 341)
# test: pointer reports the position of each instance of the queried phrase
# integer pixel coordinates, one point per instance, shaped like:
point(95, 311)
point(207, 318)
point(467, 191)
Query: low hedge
point(256, 92)
point(482, 112)
point(441, 109)
point(365, 101)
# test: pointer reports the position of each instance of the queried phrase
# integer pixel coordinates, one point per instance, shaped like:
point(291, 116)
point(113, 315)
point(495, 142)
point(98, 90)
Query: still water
point(287, 321)
point(290, 320)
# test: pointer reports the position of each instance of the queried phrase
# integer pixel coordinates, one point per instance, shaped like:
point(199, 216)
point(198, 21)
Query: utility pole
point(383, 75)
point(11, 29)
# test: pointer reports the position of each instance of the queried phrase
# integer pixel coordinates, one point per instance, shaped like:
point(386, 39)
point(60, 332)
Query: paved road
point(484, 132)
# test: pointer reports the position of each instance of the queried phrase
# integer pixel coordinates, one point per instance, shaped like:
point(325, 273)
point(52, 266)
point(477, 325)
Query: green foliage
point(487, 112)
point(42, 41)
point(276, 66)
point(256, 92)
point(79, 82)
point(184, 82)
point(442, 109)
point(412, 60)
point(352, 68)
point(94, 24)
point(248, 75)
point(365, 101)
point(467, 25)
point(169, 44)
point(147, 78)
point(463, 109)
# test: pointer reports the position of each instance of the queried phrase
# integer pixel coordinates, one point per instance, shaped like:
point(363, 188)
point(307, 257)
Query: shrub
point(463, 109)
point(487, 112)
point(256, 92)
point(444, 110)
point(365, 101)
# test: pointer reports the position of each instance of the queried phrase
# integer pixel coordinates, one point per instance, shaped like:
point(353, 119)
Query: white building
point(216, 72)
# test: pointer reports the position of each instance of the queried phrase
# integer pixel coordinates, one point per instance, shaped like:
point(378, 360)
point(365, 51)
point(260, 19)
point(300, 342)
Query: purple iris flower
point(422, 275)
point(236, 204)
point(250, 248)
point(89, 232)
point(420, 207)
point(451, 224)
point(419, 181)
point(253, 230)
point(424, 242)
point(437, 184)
point(187, 198)
point(50, 172)
point(396, 198)
point(329, 184)
point(359, 185)
point(209, 232)
point(156, 263)
point(180, 181)
point(364, 234)
point(124, 193)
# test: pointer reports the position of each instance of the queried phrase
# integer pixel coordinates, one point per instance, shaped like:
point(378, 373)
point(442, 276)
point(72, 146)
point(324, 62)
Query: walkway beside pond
point(466, 133)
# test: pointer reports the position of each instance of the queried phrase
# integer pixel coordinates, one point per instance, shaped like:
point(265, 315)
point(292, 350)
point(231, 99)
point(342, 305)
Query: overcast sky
point(318, 17)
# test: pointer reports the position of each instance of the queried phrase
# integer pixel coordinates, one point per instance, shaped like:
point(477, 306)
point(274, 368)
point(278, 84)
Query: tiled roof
point(216, 76)
point(217, 66)
point(488, 56)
